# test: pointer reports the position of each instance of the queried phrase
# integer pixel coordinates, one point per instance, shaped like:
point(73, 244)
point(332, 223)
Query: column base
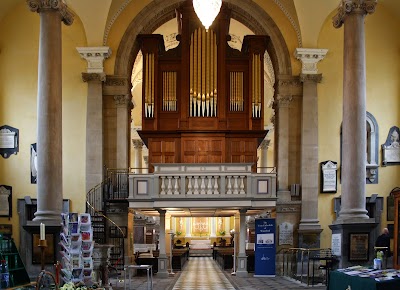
point(241, 270)
point(47, 217)
point(310, 237)
point(162, 266)
point(349, 240)
point(352, 216)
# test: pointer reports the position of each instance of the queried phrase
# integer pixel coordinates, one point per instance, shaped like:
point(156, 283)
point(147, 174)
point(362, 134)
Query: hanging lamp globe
point(207, 11)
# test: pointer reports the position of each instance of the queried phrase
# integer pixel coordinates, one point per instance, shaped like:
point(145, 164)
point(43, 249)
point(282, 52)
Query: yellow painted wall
point(383, 101)
point(286, 28)
point(19, 44)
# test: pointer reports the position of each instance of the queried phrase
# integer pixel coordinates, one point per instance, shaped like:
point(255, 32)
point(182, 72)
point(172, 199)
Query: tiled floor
point(202, 273)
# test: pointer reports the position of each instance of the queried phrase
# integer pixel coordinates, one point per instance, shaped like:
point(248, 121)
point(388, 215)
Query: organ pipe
point(203, 76)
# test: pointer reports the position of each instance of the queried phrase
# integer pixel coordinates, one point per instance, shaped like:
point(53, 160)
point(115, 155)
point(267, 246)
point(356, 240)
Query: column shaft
point(162, 259)
point(49, 143)
point(123, 130)
point(94, 132)
point(138, 146)
point(242, 257)
point(283, 142)
point(309, 154)
point(264, 156)
point(354, 119)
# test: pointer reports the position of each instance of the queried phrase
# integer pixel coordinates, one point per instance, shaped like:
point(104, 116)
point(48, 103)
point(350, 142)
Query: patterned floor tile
point(202, 273)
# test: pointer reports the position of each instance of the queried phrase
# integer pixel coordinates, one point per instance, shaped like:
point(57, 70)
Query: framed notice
point(329, 176)
point(9, 143)
point(359, 246)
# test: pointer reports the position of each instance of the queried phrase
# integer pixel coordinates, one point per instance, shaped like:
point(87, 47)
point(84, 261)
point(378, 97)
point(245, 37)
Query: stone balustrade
point(228, 180)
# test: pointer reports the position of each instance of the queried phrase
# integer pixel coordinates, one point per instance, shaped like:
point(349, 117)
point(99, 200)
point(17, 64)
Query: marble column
point(124, 106)
point(351, 13)
point(94, 77)
point(309, 138)
point(138, 146)
point(241, 270)
point(49, 109)
point(188, 233)
point(162, 259)
point(264, 155)
point(282, 103)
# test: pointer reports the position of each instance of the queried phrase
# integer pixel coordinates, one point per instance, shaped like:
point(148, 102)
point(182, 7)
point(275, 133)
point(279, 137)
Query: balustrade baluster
point(169, 187)
point(209, 185)
point(162, 185)
point(196, 185)
point(176, 187)
point(242, 185)
point(189, 185)
point(229, 191)
point(216, 185)
point(235, 185)
point(202, 185)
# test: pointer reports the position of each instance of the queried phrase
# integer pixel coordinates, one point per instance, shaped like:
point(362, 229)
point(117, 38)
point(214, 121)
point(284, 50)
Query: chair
point(114, 274)
point(326, 263)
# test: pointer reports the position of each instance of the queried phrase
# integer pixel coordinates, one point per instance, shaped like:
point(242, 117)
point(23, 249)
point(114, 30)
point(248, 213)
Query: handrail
point(97, 211)
point(305, 254)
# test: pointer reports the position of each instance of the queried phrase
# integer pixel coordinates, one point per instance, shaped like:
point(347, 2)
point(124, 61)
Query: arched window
point(371, 154)
point(372, 149)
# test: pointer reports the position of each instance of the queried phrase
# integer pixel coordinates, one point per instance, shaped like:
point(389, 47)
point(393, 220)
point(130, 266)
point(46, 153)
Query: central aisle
point(202, 273)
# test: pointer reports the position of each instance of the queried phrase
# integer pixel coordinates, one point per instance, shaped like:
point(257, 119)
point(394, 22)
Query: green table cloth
point(341, 281)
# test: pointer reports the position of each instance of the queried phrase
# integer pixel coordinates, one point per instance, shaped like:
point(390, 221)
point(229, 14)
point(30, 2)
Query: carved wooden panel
point(163, 151)
point(242, 150)
point(203, 149)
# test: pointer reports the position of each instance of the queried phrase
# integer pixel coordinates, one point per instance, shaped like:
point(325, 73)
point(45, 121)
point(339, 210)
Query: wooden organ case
point(202, 101)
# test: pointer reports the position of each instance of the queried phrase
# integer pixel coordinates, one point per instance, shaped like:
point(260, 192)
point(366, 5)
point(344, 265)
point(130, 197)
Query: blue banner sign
point(265, 248)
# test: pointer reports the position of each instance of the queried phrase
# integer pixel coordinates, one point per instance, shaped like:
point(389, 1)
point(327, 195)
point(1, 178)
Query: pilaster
point(241, 270)
point(94, 77)
point(309, 223)
point(162, 259)
point(124, 105)
point(282, 103)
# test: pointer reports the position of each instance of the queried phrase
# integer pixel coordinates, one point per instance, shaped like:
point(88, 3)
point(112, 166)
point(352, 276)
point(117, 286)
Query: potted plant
point(222, 233)
point(178, 233)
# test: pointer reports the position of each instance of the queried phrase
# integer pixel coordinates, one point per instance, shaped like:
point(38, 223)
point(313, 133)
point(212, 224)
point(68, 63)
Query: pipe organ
point(202, 101)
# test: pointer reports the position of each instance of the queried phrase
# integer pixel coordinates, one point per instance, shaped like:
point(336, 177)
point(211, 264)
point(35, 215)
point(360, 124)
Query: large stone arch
point(158, 12)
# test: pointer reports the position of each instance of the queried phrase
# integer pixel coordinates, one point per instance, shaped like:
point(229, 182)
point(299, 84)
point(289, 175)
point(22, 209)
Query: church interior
point(170, 134)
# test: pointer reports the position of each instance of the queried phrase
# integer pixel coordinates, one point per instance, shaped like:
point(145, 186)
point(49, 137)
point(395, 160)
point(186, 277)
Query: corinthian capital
point(95, 57)
point(265, 144)
point(122, 100)
point(40, 5)
point(353, 6)
point(283, 101)
point(137, 144)
point(309, 58)
point(93, 77)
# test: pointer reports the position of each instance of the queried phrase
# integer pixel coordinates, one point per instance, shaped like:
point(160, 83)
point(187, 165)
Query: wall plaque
point(391, 148)
point(8, 141)
point(328, 176)
point(286, 234)
point(359, 243)
point(336, 244)
point(5, 201)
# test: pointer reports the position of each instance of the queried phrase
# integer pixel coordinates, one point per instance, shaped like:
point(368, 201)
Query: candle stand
point(42, 245)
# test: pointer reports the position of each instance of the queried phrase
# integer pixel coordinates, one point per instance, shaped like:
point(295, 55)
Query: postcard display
point(76, 240)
